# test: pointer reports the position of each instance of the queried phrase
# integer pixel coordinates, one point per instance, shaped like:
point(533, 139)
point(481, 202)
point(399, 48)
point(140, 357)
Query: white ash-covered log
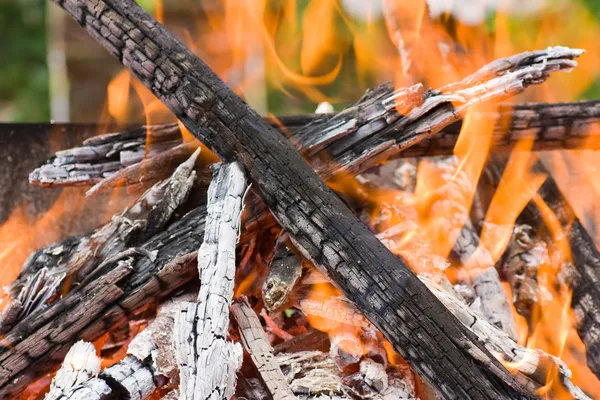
point(207, 360)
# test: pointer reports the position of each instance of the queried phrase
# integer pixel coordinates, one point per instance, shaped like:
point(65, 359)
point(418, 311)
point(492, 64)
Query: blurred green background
point(50, 69)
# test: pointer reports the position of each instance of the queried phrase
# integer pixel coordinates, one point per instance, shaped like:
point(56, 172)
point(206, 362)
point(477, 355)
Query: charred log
point(584, 275)
point(553, 126)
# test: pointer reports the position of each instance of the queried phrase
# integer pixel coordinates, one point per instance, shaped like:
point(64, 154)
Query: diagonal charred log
point(326, 231)
point(116, 159)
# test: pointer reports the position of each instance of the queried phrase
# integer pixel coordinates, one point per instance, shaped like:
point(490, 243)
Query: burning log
point(554, 126)
point(454, 194)
point(584, 275)
point(318, 222)
point(41, 279)
point(117, 292)
point(256, 343)
point(531, 366)
point(207, 361)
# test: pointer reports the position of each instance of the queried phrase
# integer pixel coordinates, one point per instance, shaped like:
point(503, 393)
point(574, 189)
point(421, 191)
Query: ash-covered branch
point(207, 360)
point(257, 344)
point(149, 365)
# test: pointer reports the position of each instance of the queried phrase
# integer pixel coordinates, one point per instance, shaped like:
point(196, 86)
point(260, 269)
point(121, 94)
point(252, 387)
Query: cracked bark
point(554, 126)
point(41, 279)
point(326, 231)
point(119, 292)
point(257, 344)
point(207, 360)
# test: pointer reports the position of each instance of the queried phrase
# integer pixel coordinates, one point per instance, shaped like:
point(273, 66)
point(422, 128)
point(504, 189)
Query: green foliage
point(24, 92)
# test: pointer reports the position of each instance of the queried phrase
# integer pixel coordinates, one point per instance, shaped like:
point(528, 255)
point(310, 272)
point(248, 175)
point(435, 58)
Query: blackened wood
point(257, 344)
point(553, 126)
point(584, 278)
point(34, 287)
point(38, 343)
point(321, 226)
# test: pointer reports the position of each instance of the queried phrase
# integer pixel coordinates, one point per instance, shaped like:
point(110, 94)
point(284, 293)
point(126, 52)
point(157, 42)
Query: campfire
point(427, 241)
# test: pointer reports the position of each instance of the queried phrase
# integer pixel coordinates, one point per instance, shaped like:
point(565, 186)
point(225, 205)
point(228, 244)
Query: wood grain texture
point(256, 343)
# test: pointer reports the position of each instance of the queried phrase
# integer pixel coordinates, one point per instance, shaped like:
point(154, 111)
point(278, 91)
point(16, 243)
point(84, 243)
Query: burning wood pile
point(252, 278)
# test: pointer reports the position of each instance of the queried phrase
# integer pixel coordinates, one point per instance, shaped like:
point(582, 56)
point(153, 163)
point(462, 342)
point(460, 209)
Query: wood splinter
point(257, 344)
point(207, 360)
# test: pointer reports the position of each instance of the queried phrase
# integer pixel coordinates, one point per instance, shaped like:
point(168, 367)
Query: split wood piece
point(256, 343)
point(33, 288)
point(80, 365)
point(314, 375)
point(284, 272)
point(584, 275)
point(524, 256)
point(453, 196)
point(321, 226)
point(553, 126)
point(207, 361)
point(38, 343)
point(531, 366)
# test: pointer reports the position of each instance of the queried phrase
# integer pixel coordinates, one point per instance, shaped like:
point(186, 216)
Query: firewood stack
point(256, 280)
